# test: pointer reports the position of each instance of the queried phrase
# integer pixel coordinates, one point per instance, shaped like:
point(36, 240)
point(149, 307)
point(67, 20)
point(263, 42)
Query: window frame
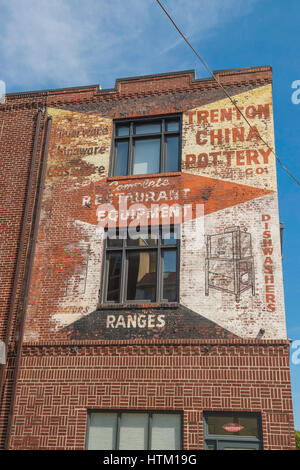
point(220, 440)
point(132, 137)
point(149, 413)
point(159, 248)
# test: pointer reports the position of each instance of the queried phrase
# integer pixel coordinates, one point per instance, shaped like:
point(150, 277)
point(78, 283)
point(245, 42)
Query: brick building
point(175, 338)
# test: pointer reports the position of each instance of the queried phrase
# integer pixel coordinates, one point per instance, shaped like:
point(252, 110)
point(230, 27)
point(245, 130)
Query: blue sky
point(69, 42)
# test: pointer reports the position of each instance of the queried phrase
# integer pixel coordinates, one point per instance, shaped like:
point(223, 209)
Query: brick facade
point(62, 359)
point(58, 384)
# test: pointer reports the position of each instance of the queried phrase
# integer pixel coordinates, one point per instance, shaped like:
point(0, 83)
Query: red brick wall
point(17, 129)
point(57, 386)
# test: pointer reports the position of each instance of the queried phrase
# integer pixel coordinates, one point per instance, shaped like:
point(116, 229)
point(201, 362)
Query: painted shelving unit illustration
point(229, 264)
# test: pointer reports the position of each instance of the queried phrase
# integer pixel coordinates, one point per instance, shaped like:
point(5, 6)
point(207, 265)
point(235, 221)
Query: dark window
point(147, 146)
point(134, 431)
point(142, 267)
point(232, 431)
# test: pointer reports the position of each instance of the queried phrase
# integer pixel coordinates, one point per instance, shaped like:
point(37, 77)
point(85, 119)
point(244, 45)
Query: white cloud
point(60, 43)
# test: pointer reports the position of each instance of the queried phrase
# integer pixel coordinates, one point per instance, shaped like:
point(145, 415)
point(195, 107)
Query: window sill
point(135, 306)
point(147, 175)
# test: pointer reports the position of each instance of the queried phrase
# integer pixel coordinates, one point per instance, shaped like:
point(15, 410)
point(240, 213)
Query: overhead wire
point(225, 91)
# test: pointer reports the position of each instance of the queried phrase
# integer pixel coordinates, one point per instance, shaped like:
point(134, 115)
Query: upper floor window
point(147, 146)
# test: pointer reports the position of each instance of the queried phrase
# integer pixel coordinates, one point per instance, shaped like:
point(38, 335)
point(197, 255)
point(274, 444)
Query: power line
point(225, 91)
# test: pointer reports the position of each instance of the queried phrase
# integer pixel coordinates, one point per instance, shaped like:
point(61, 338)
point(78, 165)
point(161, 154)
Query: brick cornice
point(138, 87)
point(239, 341)
point(181, 347)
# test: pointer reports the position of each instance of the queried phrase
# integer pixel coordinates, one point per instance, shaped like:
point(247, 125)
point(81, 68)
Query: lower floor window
point(232, 431)
point(134, 431)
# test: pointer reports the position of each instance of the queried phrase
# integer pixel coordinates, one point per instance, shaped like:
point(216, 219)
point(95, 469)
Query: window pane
point(172, 157)
point(169, 275)
point(102, 431)
point(169, 236)
point(114, 242)
point(233, 425)
point(114, 276)
point(116, 236)
point(146, 156)
point(133, 431)
point(211, 445)
point(121, 158)
point(141, 276)
point(172, 126)
point(123, 130)
point(165, 432)
point(141, 238)
point(149, 128)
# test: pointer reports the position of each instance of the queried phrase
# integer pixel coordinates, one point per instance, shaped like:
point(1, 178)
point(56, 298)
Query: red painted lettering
point(226, 114)
point(198, 138)
point(202, 116)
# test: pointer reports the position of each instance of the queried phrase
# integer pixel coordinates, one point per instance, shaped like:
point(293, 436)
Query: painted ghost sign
point(230, 280)
point(240, 279)
point(79, 146)
point(219, 143)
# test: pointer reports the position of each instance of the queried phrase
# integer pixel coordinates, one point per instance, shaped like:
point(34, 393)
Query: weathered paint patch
point(218, 143)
